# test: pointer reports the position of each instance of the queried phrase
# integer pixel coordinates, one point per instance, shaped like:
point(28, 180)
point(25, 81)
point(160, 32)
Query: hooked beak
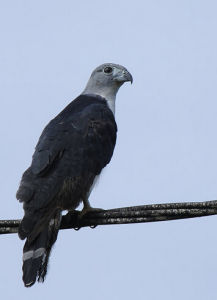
point(123, 76)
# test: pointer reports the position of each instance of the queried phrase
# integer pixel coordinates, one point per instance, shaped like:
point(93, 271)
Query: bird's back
point(72, 150)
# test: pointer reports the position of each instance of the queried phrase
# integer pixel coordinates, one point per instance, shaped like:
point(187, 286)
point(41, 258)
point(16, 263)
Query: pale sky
point(165, 152)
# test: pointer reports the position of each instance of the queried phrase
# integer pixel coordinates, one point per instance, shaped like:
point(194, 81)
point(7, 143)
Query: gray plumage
point(72, 150)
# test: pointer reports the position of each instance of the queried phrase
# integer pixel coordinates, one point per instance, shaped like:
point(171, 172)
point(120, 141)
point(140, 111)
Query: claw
point(77, 228)
point(93, 226)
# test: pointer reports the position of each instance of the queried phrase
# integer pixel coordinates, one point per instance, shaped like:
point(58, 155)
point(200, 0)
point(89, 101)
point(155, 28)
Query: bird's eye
point(108, 70)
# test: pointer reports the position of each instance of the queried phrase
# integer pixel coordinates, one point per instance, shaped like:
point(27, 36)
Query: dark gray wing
point(80, 139)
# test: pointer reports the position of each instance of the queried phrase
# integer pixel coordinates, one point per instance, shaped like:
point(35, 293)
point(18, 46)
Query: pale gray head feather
point(106, 84)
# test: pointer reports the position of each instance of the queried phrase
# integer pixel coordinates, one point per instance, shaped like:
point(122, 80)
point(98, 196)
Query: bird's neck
point(107, 93)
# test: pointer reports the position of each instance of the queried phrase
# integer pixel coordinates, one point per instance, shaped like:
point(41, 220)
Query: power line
point(128, 215)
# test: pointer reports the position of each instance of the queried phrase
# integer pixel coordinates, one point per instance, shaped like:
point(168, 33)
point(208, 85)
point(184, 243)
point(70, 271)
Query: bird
point(70, 154)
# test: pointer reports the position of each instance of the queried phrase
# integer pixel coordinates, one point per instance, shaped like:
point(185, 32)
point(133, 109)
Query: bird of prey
point(71, 152)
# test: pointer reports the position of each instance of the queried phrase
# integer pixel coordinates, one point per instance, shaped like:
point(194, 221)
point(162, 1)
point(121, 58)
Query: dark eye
point(108, 70)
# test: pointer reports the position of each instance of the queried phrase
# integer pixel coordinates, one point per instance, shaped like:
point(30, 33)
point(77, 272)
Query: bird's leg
point(88, 209)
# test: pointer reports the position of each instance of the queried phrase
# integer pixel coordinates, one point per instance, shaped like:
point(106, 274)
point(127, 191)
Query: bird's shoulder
point(84, 118)
point(82, 108)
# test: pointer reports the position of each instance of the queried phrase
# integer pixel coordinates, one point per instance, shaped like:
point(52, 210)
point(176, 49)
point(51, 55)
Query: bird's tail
point(36, 253)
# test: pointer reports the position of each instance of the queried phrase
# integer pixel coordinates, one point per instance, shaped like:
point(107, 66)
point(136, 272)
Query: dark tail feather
point(36, 253)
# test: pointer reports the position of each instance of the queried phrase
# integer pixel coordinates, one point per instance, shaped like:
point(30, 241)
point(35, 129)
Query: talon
point(77, 228)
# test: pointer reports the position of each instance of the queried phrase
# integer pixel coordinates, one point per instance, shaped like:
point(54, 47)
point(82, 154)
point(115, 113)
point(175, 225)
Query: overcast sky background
point(166, 147)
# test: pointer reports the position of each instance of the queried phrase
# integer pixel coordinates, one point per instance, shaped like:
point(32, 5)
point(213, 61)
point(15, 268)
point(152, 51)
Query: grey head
point(106, 80)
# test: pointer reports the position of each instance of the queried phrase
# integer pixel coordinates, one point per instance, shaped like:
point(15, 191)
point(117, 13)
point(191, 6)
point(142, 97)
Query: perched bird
point(71, 152)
